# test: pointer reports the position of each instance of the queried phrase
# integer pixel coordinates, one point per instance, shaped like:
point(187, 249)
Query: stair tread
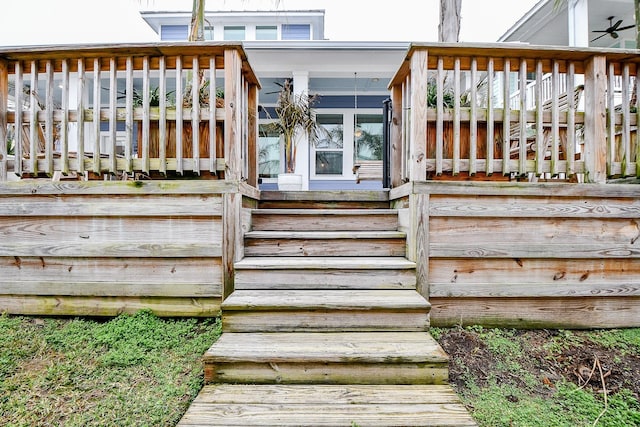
point(327, 405)
point(337, 211)
point(328, 263)
point(259, 234)
point(325, 299)
point(327, 347)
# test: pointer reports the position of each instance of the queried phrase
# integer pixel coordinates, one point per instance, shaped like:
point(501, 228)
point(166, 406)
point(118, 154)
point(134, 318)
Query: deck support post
point(233, 111)
point(4, 96)
point(418, 117)
point(595, 119)
point(418, 240)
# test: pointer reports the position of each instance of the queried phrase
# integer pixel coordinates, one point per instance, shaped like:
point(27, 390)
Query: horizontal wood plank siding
point(564, 256)
point(86, 250)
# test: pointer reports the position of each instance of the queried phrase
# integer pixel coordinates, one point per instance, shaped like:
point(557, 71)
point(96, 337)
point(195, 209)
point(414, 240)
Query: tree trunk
point(449, 27)
point(197, 21)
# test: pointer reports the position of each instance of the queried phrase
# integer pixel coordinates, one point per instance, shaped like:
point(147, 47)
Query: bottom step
point(326, 358)
point(327, 405)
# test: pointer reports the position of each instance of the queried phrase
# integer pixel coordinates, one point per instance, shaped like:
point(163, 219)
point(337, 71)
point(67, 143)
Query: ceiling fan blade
point(626, 27)
point(616, 25)
point(599, 37)
point(599, 31)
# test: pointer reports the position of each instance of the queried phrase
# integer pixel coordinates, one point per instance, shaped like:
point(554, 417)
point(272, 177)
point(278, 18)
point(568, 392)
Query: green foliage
point(131, 370)
point(626, 341)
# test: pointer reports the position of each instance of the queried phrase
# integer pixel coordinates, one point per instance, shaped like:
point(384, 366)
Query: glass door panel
point(329, 150)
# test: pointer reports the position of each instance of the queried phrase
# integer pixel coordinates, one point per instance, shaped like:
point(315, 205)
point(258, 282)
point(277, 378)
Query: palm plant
point(295, 114)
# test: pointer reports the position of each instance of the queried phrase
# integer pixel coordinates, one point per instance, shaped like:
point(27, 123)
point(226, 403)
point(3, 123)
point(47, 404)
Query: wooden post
point(252, 135)
point(231, 240)
point(4, 96)
point(595, 120)
point(396, 136)
point(232, 120)
point(418, 240)
point(418, 120)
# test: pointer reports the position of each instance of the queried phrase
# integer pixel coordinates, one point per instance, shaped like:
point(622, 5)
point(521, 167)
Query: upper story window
point(266, 32)
point(234, 33)
point(296, 32)
point(174, 32)
point(208, 33)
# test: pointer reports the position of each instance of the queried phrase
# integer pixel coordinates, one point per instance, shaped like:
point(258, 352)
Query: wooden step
point(324, 200)
point(324, 219)
point(325, 310)
point(326, 358)
point(325, 273)
point(324, 243)
point(327, 405)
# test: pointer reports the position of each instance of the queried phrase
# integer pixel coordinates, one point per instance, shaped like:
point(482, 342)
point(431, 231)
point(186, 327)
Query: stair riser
point(314, 204)
point(267, 222)
point(325, 247)
point(325, 279)
point(325, 320)
point(326, 373)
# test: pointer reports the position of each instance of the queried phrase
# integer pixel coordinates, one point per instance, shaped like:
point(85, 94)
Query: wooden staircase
point(325, 326)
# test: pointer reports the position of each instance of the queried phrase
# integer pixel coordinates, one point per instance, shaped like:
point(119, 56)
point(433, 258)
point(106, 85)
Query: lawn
point(144, 371)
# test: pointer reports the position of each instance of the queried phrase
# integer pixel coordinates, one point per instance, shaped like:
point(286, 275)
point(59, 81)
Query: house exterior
point(350, 77)
point(575, 23)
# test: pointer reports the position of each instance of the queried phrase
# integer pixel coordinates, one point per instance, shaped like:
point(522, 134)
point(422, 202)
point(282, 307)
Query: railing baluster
point(406, 109)
point(439, 116)
point(195, 114)
point(570, 149)
point(637, 143)
point(456, 116)
point(490, 119)
point(611, 126)
point(162, 123)
point(473, 125)
point(48, 124)
point(179, 115)
point(213, 167)
point(128, 139)
point(146, 163)
point(540, 148)
point(506, 119)
point(555, 119)
point(522, 152)
point(626, 123)
point(4, 109)
point(113, 126)
point(97, 104)
point(64, 124)
point(34, 125)
point(18, 136)
point(80, 114)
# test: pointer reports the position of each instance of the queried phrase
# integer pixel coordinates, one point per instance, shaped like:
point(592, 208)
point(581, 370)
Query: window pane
point(328, 162)
point(368, 141)
point(296, 32)
point(266, 32)
point(269, 154)
point(208, 33)
point(234, 33)
point(174, 32)
point(333, 125)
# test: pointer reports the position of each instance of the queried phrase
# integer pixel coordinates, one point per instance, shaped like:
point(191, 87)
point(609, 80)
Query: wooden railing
point(453, 113)
point(116, 110)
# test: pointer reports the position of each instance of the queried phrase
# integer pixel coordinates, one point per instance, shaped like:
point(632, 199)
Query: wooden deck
point(319, 348)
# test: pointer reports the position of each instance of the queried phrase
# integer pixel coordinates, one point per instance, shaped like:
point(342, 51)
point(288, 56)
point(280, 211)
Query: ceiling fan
point(613, 29)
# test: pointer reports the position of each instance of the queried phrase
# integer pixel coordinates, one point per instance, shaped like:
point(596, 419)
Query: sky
point(37, 22)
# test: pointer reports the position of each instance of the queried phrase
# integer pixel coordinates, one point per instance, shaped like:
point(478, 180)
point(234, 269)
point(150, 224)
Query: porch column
point(301, 86)
point(578, 22)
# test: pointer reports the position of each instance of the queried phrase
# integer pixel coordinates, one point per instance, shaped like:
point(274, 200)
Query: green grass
point(135, 370)
point(502, 375)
